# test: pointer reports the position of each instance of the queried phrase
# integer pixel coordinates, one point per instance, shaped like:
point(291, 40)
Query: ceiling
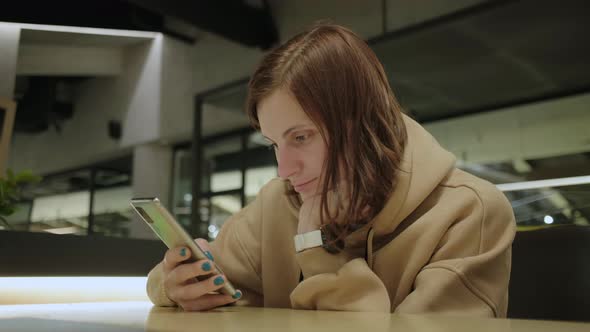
point(495, 55)
point(488, 57)
point(81, 39)
point(245, 22)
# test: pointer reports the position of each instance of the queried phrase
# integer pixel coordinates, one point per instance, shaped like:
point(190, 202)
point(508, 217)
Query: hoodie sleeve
point(469, 272)
point(338, 282)
point(236, 250)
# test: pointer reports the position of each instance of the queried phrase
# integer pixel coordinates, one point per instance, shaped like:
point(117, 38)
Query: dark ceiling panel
point(97, 14)
point(232, 19)
point(518, 51)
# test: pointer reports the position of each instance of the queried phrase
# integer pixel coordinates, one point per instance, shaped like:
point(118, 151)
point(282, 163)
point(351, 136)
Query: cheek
point(317, 165)
point(317, 157)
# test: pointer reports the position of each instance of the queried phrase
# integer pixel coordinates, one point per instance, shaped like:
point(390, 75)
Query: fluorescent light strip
point(562, 182)
point(63, 230)
point(84, 30)
point(116, 313)
point(30, 290)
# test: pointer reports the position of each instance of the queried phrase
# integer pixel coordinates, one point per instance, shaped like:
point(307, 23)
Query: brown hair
point(342, 87)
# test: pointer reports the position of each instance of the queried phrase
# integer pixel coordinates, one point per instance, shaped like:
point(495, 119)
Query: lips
point(303, 186)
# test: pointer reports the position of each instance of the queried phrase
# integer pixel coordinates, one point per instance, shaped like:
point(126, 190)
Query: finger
point(204, 245)
point(198, 289)
point(175, 256)
point(185, 272)
point(340, 200)
point(207, 302)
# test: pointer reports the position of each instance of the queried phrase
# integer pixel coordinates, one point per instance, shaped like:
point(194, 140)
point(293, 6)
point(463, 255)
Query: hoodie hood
point(425, 164)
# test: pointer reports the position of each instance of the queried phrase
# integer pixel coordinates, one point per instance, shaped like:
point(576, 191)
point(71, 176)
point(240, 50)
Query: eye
point(301, 138)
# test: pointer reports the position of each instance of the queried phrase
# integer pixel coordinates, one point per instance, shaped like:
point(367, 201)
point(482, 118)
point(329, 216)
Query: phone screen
point(171, 233)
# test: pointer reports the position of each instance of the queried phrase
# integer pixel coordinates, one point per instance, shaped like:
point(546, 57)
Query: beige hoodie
point(442, 243)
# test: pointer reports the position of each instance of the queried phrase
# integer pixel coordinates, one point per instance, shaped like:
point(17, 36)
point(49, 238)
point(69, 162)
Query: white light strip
point(115, 313)
point(63, 230)
point(562, 182)
point(31, 290)
point(84, 30)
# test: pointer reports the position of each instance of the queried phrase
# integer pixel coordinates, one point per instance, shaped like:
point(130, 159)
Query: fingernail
point(206, 266)
point(208, 254)
point(237, 295)
point(218, 281)
point(183, 252)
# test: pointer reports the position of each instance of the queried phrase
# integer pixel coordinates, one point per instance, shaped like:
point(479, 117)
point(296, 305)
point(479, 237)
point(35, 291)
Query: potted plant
point(10, 192)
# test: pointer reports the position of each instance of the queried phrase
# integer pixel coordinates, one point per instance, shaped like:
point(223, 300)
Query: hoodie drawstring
point(369, 248)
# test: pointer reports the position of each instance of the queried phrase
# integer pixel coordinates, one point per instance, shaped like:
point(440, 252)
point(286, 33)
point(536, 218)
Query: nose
point(288, 163)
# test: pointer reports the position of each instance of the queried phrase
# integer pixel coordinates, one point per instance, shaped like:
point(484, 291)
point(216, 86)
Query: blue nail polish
point(237, 295)
point(206, 266)
point(208, 254)
point(218, 281)
point(183, 252)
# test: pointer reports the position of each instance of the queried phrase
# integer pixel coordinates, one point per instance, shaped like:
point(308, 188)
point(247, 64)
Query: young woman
point(369, 212)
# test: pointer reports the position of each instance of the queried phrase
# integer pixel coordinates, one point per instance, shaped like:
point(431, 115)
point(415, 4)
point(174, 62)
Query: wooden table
point(140, 316)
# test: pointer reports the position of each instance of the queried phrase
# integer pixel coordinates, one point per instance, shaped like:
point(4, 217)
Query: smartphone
point(173, 235)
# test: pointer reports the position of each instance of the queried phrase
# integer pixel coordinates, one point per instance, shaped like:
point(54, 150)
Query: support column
point(152, 175)
point(9, 39)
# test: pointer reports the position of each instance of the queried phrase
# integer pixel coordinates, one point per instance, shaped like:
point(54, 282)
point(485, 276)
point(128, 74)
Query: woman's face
point(298, 145)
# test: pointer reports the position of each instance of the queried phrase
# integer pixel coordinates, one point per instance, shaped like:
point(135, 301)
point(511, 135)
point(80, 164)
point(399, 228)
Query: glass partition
point(89, 200)
point(61, 204)
point(112, 212)
point(20, 220)
point(236, 162)
point(548, 203)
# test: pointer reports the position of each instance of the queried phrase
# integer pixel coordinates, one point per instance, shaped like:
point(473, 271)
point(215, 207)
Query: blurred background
point(123, 98)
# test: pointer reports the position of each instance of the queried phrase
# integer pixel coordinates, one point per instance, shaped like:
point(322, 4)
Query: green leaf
point(10, 174)
point(27, 177)
point(6, 190)
point(10, 188)
point(7, 210)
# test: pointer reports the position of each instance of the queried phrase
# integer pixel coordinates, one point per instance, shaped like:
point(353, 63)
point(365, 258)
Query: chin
point(307, 195)
point(303, 197)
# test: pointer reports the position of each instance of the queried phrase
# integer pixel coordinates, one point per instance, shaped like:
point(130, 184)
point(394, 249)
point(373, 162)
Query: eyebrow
point(288, 131)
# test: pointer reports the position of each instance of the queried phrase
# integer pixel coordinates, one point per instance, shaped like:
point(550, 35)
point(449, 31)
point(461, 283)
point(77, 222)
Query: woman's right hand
point(181, 285)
